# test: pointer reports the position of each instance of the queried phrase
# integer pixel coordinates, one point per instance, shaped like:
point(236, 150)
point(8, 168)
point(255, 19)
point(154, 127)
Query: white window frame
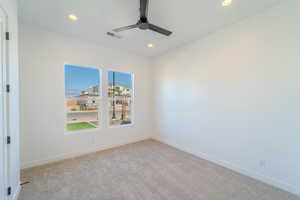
point(100, 99)
point(132, 100)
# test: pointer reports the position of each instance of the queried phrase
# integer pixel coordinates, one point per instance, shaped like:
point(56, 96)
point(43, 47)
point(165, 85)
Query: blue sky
point(121, 78)
point(80, 78)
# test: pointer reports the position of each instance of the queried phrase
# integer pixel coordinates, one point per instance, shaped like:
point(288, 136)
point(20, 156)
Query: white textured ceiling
point(188, 19)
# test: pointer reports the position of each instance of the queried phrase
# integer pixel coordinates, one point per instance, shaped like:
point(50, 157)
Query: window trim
point(132, 100)
point(100, 98)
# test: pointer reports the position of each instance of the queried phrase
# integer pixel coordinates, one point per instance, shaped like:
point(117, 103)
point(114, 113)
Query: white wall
point(10, 6)
point(42, 57)
point(233, 97)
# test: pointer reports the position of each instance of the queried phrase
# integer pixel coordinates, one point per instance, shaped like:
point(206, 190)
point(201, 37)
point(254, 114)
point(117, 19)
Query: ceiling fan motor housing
point(143, 23)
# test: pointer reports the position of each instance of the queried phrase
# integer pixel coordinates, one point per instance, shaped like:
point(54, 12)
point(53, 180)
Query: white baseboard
point(17, 192)
point(75, 154)
point(263, 178)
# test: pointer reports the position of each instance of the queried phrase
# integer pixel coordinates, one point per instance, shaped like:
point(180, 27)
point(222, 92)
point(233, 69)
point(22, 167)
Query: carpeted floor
point(146, 170)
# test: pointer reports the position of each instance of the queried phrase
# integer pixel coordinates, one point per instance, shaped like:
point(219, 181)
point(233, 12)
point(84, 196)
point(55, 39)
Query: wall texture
point(10, 6)
point(42, 58)
point(233, 97)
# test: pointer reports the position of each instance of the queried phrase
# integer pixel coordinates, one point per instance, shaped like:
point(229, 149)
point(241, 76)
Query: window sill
point(121, 126)
point(81, 131)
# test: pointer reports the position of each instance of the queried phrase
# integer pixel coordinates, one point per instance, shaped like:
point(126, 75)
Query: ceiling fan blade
point(125, 28)
point(144, 8)
point(159, 30)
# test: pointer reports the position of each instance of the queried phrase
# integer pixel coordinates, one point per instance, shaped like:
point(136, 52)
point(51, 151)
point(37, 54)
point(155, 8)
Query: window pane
point(120, 90)
point(82, 90)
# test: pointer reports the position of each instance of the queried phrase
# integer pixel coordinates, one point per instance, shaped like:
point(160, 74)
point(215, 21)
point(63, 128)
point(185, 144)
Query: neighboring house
point(92, 91)
point(72, 105)
point(120, 90)
point(85, 100)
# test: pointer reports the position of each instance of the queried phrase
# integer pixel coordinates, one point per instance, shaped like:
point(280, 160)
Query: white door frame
point(4, 158)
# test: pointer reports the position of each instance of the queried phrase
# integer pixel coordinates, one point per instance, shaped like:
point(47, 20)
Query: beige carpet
point(146, 170)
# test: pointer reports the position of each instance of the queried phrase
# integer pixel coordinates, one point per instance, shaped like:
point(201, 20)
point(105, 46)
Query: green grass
point(79, 126)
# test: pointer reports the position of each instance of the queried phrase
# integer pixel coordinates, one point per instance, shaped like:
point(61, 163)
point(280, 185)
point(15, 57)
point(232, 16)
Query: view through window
point(82, 91)
point(120, 97)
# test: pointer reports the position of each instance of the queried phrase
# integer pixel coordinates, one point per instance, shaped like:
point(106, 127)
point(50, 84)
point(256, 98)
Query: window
point(120, 97)
point(82, 91)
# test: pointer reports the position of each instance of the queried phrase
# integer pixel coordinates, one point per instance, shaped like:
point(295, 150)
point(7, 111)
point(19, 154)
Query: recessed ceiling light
point(73, 17)
point(150, 45)
point(227, 3)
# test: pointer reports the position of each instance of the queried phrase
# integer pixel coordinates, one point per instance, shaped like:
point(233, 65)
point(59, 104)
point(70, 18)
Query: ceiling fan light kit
point(143, 23)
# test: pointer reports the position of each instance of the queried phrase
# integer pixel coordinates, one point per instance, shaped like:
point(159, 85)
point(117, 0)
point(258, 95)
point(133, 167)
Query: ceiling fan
point(143, 23)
